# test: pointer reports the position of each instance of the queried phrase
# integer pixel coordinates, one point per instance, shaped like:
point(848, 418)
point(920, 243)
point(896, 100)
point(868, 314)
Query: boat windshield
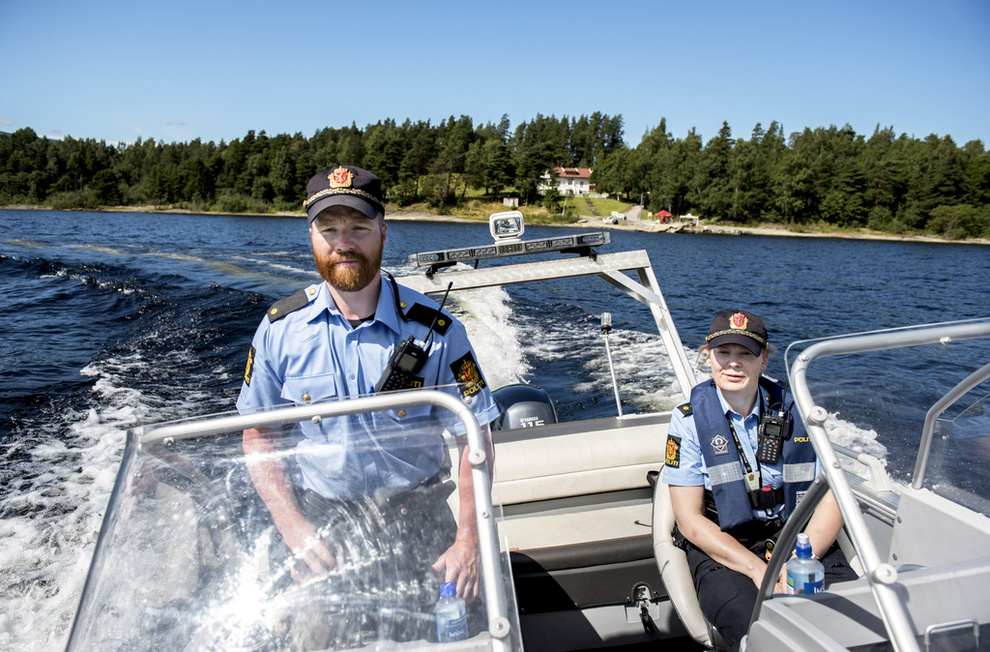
point(189, 557)
point(885, 426)
point(960, 452)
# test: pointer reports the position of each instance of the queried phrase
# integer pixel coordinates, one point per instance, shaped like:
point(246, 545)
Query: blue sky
point(117, 70)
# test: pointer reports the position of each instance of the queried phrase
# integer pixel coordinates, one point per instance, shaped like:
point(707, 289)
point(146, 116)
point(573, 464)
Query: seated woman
point(728, 504)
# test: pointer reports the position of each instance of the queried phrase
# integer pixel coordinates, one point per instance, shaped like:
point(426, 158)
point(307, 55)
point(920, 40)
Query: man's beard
point(349, 278)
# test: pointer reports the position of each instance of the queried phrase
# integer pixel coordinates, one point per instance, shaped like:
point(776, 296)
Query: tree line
point(825, 176)
point(830, 176)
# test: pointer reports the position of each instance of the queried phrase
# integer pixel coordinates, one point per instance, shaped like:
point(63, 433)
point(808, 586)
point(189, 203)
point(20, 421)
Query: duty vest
point(725, 467)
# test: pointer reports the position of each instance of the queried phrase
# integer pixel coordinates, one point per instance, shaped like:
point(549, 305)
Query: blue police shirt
point(314, 354)
point(692, 470)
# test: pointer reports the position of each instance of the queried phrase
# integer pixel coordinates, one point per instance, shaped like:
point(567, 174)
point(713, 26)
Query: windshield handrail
point(498, 622)
point(882, 576)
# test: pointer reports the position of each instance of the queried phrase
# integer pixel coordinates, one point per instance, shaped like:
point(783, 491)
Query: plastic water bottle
point(451, 615)
point(804, 573)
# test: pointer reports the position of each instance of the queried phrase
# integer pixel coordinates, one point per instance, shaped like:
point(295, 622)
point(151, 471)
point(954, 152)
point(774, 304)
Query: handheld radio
point(408, 357)
point(775, 428)
point(406, 360)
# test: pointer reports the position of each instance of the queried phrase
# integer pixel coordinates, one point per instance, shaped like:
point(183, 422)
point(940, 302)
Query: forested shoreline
point(824, 177)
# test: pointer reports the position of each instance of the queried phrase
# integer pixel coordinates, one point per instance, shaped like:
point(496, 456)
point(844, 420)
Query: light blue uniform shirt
point(692, 470)
point(314, 354)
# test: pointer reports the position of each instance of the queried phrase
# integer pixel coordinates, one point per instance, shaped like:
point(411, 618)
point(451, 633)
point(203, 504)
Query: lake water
point(115, 319)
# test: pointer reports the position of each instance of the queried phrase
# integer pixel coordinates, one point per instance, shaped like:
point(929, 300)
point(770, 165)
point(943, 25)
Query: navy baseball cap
point(345, 185)
point(739, 327)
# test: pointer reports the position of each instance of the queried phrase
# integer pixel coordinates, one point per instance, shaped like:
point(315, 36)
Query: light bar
point(514, 248)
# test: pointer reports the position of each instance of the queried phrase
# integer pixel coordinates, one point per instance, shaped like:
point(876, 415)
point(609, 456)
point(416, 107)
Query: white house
point(576, 181)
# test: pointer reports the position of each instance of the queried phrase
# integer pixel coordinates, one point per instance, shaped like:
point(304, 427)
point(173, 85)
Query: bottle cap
point(448, 590)
point(803, 547)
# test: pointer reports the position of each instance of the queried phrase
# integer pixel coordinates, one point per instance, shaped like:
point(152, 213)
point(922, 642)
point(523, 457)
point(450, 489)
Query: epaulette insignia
point(423, 315)
point(685, 409)
point(283, 307)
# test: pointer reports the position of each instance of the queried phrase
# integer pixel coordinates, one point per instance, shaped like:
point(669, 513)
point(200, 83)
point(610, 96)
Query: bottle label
point(456, 629)
point(797, 587)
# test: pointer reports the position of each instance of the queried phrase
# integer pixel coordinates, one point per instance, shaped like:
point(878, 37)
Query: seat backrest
point(674, 571)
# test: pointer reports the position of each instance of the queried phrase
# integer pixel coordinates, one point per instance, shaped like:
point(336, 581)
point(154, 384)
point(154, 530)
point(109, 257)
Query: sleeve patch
point(249, 367)
point(468, 374)
point(673, 456)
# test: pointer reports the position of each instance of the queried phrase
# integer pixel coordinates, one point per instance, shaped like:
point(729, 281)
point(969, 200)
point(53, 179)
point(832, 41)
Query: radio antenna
point(429, 334)
point(606, 329)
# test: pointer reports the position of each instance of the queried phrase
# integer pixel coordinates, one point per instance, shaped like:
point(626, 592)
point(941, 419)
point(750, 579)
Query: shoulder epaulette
point(424, 315)
point(685, 409)
point(774, 390)
point(290, 304)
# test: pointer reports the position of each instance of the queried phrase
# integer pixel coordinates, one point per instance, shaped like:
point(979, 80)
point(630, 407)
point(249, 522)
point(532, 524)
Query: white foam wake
point(52, 522)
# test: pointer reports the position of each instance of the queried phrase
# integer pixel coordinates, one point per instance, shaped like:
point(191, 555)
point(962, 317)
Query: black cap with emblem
point(739, 327)
point(345, 185)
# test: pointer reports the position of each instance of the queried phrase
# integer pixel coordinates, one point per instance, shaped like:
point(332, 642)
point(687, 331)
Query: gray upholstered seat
point(673, 567)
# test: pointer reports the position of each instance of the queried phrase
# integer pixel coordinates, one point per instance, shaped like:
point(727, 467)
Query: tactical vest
point(725, 470)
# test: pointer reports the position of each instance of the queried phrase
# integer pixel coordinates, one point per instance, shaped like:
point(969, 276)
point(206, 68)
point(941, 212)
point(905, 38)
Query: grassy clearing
point(604, 206)
point(480, 209)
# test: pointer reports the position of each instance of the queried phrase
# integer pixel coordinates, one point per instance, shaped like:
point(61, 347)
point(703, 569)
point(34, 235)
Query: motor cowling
point(523, 406)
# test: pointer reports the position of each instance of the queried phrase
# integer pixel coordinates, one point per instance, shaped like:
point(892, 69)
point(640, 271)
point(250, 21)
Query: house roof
point(573, 173)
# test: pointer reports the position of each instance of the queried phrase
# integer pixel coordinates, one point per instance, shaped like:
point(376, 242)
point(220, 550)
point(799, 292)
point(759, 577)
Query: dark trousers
point(728, 597)
point(384, 587)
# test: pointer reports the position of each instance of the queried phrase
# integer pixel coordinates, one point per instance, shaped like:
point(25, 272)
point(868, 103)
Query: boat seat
point(676, 575)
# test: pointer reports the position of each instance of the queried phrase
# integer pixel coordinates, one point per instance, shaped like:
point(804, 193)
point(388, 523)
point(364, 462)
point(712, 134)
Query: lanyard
point(742, 455)
point(753, 479)
point(754, 482)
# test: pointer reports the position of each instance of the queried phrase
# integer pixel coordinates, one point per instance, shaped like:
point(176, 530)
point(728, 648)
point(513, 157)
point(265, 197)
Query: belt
point(405, 495)
point(399, 501)
point(757, 531)
point(766, 498)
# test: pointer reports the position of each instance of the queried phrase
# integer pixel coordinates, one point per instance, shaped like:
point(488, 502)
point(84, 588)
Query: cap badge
point(739, 321)
point(340, 178)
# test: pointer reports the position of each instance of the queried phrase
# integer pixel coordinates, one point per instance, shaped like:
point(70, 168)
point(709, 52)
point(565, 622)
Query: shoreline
point(629, 224)
point(644, 226)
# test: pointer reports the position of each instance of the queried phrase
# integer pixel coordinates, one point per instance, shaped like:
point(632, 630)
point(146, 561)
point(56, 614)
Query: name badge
point(753, 481)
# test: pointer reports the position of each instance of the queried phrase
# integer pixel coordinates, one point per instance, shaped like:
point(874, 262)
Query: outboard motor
point(523, 406)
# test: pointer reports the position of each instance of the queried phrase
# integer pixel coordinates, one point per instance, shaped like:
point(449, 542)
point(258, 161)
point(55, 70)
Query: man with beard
point(333, 340)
